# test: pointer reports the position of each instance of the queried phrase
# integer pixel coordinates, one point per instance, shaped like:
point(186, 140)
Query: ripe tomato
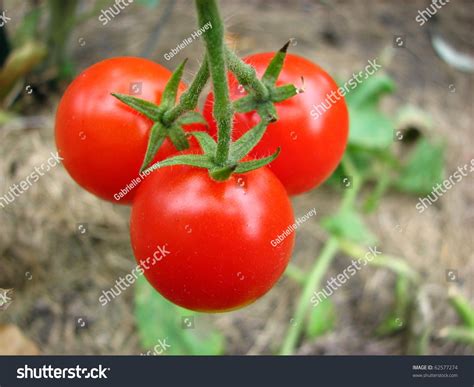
point(311, 146)
point(103, 141)
point(218, 236)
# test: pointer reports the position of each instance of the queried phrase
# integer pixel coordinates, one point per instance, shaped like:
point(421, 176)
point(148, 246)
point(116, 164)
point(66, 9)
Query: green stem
point(223, 111)
point(321, 265)
point(62, 15)
point(245, 74)
point(296, 274)
point(396, 264)
point(351, 192)
point(189, 99)
point(314, 280)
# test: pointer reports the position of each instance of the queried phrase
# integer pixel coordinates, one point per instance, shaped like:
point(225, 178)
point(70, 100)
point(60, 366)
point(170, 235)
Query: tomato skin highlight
point(311, 148)
point(103, 141)
point(218, 234)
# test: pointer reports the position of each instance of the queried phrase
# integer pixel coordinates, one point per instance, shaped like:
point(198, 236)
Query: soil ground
point(57, 273)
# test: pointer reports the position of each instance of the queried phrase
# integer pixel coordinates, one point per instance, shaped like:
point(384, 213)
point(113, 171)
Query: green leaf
point(396, 320)
point(178, 137)
point(201, 161)
point(461, 335)
point(170, 92)
point(274, 68)
point(157, 136)
point(348, 225)
point(158, 318)
point(423, 170)
point(207, 143)
point(390, 325)
point(147, 108)
point(191, 117)
point(247, 141)
point(321, 319)
point(248, 166)
point(463, 309)
point(369, 127)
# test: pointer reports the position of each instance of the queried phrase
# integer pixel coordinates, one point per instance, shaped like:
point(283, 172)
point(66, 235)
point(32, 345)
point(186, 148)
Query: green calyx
point(221, 157)
point(262, 94)
point(234, 164)
point(168, 118)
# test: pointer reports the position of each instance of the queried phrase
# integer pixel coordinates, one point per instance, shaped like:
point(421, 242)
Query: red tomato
point(311, 148)
point(103, 141)
point(211, 245)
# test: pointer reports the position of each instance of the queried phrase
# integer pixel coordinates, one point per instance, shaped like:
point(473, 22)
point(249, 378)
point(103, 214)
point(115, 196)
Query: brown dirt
point(38, 232)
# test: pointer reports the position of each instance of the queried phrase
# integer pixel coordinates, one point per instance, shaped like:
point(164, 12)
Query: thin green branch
point(223, 111)
point(314, 281)
point(245, 74)
point(189, 99)
point(395, 264)
point(321, 266)
point(296, 274)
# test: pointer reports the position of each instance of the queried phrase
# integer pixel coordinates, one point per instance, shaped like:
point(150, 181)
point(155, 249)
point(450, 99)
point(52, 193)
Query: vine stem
point(315, 277)
point(245, 74)
point(321, 264)
point(223, 112)
point(189, 99)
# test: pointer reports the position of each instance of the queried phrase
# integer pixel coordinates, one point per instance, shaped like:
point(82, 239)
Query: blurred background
point(60, 247)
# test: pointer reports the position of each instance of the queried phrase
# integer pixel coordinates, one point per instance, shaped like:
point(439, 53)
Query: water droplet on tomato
point(188, 229)
point(293, 135)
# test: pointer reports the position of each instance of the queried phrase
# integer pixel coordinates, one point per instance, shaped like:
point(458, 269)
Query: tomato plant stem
point(295, 273)
point(189, 99)
point(392, 263)
point(321, 264)
point(245, 74)
point(223, 111)
point(315, 277)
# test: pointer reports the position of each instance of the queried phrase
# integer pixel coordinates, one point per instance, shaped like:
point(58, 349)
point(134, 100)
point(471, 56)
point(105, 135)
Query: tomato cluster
point(218, 233)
